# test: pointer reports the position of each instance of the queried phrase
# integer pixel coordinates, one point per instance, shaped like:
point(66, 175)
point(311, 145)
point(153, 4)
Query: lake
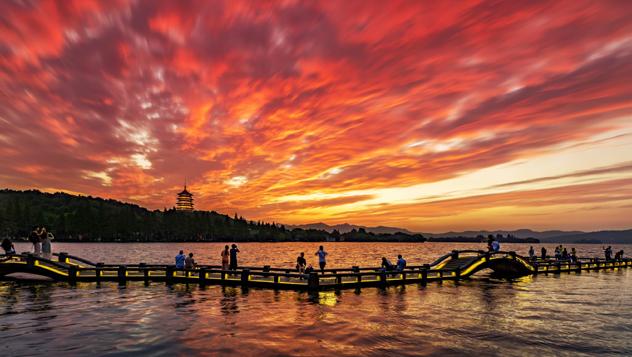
point(588, 313)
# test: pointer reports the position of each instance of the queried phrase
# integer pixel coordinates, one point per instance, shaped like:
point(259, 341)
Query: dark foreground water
point(568, 314)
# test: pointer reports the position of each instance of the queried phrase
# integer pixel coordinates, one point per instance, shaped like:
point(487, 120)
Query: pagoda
point(184, 201)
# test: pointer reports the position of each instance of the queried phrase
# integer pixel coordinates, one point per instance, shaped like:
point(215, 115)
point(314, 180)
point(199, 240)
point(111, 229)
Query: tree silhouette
point(80, 218)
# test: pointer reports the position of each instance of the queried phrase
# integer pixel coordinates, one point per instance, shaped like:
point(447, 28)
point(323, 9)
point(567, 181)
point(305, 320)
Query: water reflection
point(567, 314)
point(229, 300)
point(327, 298)
point(39, 297)
point(184, 296)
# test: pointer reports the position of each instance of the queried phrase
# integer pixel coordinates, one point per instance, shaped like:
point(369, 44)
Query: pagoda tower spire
point(184, 200)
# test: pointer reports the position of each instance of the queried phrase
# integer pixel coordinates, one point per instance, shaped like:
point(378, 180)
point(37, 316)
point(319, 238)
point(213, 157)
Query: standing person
point(301, 263)
point(322, 260)
point(401, 263)
point(564, 254)
point(46, 245)
point(7, 246)
point(180, 258)
point(233, 257)
point(225, 255)
point(573, 255)
point(531, 253)
point(34, 238)
point(42, 236)
point(608, 252)
point(543, 251)
point(189, 262)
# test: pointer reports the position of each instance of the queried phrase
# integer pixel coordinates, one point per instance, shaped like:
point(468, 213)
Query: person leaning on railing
point(301, 263)
point(7, 246)
point(386, 264)
point(308, 270)
point(189, 262)
point(180, 258)
point(565, 255)
point(401, 263)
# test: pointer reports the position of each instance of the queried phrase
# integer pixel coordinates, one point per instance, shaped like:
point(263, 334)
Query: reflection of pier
point(453, 266)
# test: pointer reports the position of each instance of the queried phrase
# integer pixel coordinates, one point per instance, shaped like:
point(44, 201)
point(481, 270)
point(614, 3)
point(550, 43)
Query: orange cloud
point(257, 103)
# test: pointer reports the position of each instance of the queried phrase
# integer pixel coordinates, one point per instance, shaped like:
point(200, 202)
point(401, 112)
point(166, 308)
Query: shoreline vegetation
point(92, 219)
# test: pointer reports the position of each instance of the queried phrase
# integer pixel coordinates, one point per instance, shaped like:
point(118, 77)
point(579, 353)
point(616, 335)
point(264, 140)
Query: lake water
point(588, 313)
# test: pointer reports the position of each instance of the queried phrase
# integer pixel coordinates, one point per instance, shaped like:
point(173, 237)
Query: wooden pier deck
point(453, 266)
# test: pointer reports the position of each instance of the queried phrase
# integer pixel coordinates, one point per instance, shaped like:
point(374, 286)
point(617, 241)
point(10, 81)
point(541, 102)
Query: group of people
point(301, 262)
point(229, 256)
point(185, 261)
point(561, 253)
point(41, 240)
point(303, 268)
point(608, 253)
point(399, 266)
point(229, 259)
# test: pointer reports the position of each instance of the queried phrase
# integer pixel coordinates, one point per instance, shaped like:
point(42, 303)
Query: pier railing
point(455, 265)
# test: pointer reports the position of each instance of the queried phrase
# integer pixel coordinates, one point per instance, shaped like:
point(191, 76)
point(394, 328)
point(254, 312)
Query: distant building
point(184, 201)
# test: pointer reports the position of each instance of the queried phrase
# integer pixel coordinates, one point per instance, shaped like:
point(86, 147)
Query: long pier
point(456, 265)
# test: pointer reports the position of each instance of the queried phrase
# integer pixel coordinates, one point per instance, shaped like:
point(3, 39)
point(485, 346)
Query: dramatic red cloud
point(299, 111)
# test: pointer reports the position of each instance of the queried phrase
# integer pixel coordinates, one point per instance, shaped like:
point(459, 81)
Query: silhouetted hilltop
point(87, 218)
point(552, 236)
point(599, 237)
point(519, 233)
point(346, 228)
point(508, 236)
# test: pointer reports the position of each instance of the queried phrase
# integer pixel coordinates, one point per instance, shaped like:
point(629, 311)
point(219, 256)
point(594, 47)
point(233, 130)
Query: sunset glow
point(427, 115)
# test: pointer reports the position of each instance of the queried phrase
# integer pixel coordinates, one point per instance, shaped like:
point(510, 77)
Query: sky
point(426, 115)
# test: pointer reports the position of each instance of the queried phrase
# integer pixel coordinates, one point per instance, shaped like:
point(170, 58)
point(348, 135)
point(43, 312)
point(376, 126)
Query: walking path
point(455, 265)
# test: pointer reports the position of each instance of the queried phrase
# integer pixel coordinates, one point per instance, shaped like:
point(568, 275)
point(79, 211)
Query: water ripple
point(568, 314)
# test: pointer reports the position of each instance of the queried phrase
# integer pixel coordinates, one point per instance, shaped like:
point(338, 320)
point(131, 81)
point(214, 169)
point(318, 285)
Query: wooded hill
point(94, 219)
